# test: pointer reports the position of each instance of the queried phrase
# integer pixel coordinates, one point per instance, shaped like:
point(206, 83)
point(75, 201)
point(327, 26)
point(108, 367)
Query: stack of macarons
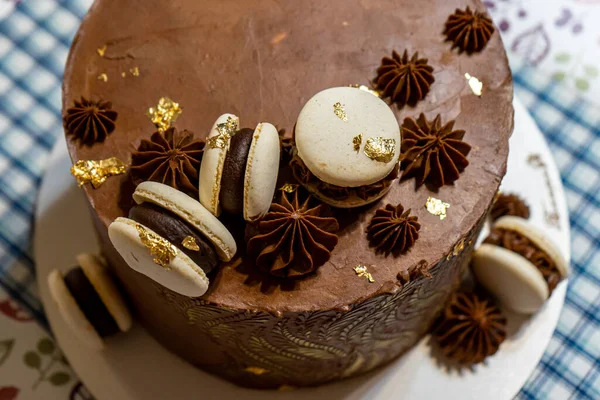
point(519, 264)
point(89, 301)
point(346, 141)
point(239, 168)
point(172, 239)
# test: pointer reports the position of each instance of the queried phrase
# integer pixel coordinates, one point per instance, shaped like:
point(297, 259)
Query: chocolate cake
point(263, 60)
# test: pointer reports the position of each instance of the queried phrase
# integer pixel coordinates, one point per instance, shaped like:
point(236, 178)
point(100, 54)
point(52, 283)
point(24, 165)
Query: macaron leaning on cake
point(89, 302)
point(239, 168)
point(519, 264)
point(347, 146)
point(172, 239)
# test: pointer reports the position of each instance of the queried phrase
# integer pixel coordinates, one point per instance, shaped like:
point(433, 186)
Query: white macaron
point(89, 302)
point(191, 243)
point(510, 276)
point(239, 168)
point(347, 138)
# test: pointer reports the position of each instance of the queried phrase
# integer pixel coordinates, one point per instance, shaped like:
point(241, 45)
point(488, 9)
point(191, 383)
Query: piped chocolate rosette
point(347, 145)
point(239, 169)
point(519, 264)
point(89, 302)
point(172, 239)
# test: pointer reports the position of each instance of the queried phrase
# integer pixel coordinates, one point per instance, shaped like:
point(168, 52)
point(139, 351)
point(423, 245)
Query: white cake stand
point(135, 367)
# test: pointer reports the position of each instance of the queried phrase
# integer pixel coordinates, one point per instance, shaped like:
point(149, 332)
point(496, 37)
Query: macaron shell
point(191, 211)
point(325, 141)
point(538, 237)
point(515, 281)
point(95, 270)
point(211, 169)
point(71, 313)
point(262, 168)
point(181, 275)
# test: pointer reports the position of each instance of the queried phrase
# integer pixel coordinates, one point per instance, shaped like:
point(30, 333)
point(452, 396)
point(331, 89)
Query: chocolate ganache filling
point(514, 241)
point(231, 196)
point(90, 303)
point(175, 230)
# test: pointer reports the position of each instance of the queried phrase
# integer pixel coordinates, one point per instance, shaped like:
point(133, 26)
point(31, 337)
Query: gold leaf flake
point(357, 142)
point(340, 112)
point(366, 89)
point(458, 248)
point(161, 249)
point(437, 207)
point(226, 130)
point(101, 50)
point(135, 71)
point(278, 38)
point(164, 114)
point(362, 271)
point(189, 242)
point(257, 370)
point(96, 171)
point(475, 84)
point(380, 149)
point(289, 188)
point(123, 74)
point(103, 77)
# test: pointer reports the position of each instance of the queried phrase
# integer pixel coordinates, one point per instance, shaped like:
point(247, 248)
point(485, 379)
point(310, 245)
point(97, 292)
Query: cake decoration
point(103, 77)
point(437, 207)
point(380, 149)
point(294, 238)
point(357, 142)
point(90, 121)
point(432, 153)
point(97, 171)
point(162, 251)
point(101, 50)
point(475, 84)
point(239, 175)
point(421, 269)
point(288, 188)
point(471, 328)
point(257, 370)
point(135, 71)
point(171, 157)
point(189, 242)
point(367, 89)
point(457, 249)
point(393, 230)
point(151, 240)
point(335, 177)
point(164, 113)
point(509, 204)
point(363, 271)
point(338, 110)
point(519, 264)
point(89, 301)
point(469, 31)
point(404, 80)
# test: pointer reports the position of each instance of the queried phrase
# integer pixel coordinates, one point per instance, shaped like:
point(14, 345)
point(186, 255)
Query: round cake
point(262, 61)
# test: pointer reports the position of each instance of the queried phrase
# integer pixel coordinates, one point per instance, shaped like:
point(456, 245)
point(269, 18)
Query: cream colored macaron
point(348, 138)
point(89, 301)
point(501, 266)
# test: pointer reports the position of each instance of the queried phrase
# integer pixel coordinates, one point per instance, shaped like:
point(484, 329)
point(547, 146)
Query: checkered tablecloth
point(34, 40)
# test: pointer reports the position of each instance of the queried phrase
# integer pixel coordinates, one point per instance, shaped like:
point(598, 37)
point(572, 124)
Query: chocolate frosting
point(175, 230)
point(469, 31)
point(231, 196)
point(393, 230)
point(514, 241)
point(172, 158)
point(509, 204)
point(404, 80)
point(431, 152)
point(471, 328)
point(90, 121)
point(294, 238)
point(90, 303)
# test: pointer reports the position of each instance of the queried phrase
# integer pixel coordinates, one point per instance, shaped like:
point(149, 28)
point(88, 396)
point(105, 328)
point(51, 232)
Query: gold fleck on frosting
point(101, 50)
point(161, 249)
point(189, 242)
point(123, 74)
point(164, 114)
point(135, 71)
point(226, 130)
point(289, 188)
point(103, 77)
point(362, 271)
point(380, 149)
point(340, 112)
point(357, 142)
point(96, 171)
point(475, 84)
point(458, 248)
point(367, 89)
point(257, 370)
point(436, 207)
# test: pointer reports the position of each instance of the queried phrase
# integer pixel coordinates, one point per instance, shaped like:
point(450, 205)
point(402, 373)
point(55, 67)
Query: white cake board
point(135, 367)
